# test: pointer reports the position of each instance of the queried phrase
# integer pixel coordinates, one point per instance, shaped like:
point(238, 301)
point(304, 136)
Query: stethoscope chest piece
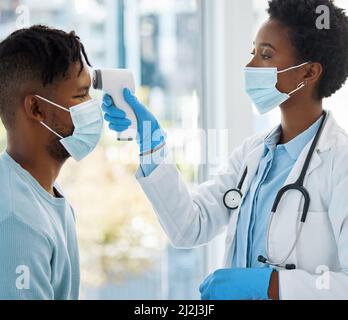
point(232, 199)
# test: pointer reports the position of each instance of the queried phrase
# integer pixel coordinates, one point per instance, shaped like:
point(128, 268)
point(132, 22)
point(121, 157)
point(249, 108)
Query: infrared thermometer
point(112, 82)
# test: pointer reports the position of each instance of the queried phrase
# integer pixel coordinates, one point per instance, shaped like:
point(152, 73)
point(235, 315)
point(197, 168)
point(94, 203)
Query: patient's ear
point(33, 108)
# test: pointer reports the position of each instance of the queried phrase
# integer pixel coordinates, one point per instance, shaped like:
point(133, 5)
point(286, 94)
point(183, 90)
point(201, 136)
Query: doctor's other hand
point(150, 135)
point(240, 284)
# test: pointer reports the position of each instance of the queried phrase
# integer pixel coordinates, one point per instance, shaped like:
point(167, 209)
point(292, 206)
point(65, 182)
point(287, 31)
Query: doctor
point(283, 194)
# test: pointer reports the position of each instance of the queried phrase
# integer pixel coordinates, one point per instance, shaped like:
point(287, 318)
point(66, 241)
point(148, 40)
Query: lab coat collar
point(296, 145)
point(325, 143)
point(329, 133)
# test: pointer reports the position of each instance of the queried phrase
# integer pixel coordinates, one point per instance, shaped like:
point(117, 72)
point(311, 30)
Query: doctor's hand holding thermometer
point(150, 136)
point(118, 86)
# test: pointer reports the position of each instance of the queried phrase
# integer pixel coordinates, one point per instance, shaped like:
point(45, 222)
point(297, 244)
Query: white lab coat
point(193, 218)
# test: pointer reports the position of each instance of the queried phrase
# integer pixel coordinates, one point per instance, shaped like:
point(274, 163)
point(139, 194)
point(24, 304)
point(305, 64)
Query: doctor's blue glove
point(237, 284)
point(150, 134)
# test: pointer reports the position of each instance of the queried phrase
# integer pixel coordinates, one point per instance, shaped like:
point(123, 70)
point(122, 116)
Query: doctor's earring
point(299, 87)
point(305, 83)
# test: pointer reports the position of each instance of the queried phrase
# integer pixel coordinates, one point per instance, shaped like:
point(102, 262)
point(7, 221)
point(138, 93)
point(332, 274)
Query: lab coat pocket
point(316, 247)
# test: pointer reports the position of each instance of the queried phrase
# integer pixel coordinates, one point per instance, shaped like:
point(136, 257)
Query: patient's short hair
point(37, 54)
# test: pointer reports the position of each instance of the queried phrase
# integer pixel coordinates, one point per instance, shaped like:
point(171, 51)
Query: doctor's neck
point(297, 117)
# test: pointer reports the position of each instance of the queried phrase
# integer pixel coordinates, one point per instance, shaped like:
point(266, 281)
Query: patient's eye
point(81, 96)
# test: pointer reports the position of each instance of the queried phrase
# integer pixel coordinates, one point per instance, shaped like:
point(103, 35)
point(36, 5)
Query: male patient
point(49, 116)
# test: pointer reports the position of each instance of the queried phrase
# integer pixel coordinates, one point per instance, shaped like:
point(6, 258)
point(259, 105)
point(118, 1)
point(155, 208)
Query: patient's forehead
point(76, 78)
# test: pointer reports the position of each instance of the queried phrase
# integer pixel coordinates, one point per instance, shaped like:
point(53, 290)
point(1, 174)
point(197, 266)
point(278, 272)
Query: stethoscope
point(233, 198)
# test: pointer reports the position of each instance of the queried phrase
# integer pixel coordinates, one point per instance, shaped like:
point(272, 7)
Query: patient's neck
point(38, 163)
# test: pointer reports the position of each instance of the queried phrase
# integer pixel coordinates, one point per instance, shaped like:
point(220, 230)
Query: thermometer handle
point(113, 82)
point(131, 133)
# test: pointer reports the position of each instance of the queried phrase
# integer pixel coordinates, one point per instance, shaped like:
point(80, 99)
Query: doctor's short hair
point(329, 46)
point(39, 55)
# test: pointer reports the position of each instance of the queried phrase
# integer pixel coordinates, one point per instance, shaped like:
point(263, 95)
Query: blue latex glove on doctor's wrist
point(237, 284)
point(150, 135)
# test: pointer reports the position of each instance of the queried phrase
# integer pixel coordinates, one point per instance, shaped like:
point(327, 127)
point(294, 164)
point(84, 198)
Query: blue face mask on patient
point(260, 85)
point(87, 118)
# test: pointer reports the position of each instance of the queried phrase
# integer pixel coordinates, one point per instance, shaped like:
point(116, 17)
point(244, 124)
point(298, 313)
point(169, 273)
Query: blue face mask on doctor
point(87, 118)
point(260, 85)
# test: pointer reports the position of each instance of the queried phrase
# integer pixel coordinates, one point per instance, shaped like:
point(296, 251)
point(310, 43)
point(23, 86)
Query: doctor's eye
point(252, 52)
point(266, 54)
point(265, 57)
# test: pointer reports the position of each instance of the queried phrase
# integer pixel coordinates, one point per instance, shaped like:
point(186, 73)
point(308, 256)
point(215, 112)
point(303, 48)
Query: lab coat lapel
point(324, 144)
point(254, 158)
point(252, 162)
point(297, 168)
